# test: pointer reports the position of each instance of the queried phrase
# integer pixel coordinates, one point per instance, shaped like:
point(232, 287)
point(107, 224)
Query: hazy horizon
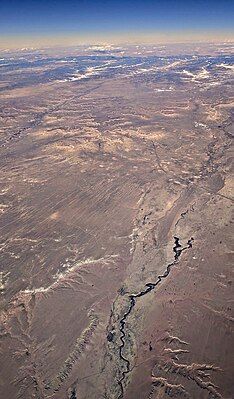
point(39, 23)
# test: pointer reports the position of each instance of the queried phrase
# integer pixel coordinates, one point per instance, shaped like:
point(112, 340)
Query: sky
point(38, 22)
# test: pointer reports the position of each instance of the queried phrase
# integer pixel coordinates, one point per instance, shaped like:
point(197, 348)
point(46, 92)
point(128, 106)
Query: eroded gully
point(177, 249)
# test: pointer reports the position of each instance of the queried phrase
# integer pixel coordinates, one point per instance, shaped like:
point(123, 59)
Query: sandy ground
point(116, 244)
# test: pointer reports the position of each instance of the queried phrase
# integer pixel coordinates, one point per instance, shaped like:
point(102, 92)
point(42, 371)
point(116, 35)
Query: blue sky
point(86, 17)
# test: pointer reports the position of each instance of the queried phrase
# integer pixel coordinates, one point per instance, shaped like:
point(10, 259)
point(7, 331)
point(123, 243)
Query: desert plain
point(116, 224)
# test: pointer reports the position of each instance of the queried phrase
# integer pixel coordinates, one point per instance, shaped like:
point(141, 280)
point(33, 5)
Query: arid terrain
point(115, 218)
